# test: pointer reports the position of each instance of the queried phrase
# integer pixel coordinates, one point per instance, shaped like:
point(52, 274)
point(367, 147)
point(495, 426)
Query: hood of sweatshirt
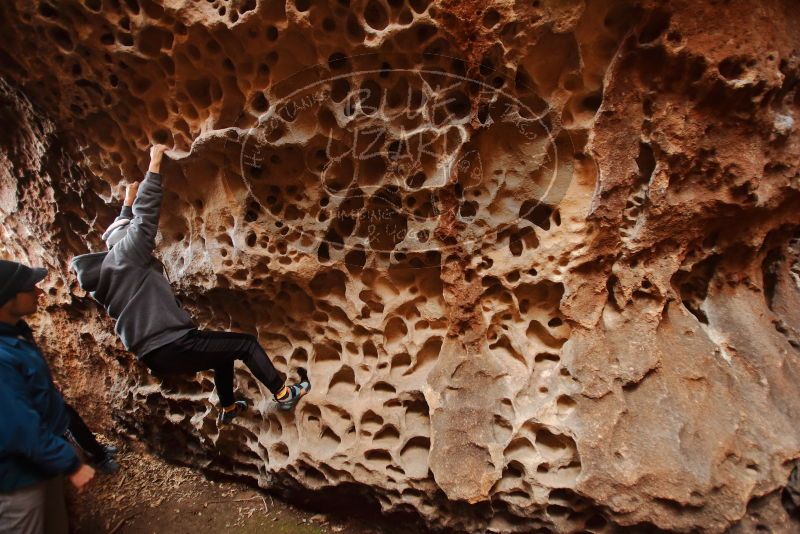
point(87, 267)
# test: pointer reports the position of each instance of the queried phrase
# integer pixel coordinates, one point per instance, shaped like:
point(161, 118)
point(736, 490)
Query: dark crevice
point(693, 286)
point(646, 162)
point(769, 272)
point(612, 298)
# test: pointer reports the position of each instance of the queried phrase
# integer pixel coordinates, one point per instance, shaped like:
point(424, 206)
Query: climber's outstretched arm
point(156, 153)
point(140, 239)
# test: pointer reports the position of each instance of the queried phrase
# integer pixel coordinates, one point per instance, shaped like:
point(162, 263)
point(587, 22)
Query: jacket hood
point(87, 267)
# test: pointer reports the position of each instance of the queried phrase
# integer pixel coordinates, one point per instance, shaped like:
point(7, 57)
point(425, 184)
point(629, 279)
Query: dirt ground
point(150, 496)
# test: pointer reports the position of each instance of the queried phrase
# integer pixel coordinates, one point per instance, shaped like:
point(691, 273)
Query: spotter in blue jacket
point(33, 417)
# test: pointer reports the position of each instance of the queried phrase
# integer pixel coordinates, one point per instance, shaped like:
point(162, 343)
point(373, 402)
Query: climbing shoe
point(225, 417)
point(291, 395)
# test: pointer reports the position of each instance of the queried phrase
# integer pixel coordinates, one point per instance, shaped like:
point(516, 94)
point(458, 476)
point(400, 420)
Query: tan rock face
point(541, 259)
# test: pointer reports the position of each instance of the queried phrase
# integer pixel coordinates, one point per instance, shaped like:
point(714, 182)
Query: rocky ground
point(151, 496)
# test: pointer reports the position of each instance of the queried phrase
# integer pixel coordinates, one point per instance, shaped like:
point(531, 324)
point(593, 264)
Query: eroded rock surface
point(541, 259)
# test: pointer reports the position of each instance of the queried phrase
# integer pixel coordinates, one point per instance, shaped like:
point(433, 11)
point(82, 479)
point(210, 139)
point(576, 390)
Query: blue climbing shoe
point(224, 418)
point(292, 394)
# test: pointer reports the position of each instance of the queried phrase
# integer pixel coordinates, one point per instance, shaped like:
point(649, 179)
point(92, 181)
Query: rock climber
point(34, 455)
point(130, 283)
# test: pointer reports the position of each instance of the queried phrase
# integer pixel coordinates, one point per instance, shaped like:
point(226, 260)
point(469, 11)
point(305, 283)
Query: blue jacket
point(32, 415)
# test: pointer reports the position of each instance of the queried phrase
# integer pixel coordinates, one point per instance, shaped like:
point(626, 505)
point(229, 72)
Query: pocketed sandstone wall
point(540, 259)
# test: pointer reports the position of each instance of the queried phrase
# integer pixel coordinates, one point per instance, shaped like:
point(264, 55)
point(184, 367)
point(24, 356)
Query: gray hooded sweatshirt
point(127, 280)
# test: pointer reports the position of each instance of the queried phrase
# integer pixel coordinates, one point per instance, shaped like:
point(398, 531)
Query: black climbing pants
point(84, 437)
point(201, 350)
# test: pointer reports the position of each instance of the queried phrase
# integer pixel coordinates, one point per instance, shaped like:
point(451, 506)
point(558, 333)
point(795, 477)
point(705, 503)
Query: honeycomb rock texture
point(541, 259)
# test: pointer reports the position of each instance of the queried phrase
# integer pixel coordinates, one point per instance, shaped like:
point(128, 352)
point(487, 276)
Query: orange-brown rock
point(541, 259)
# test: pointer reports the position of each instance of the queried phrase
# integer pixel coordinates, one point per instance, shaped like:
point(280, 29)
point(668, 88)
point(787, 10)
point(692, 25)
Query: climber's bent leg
point(181, 357)
point(223, 379)
point(243, 347)
point(200, 350)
